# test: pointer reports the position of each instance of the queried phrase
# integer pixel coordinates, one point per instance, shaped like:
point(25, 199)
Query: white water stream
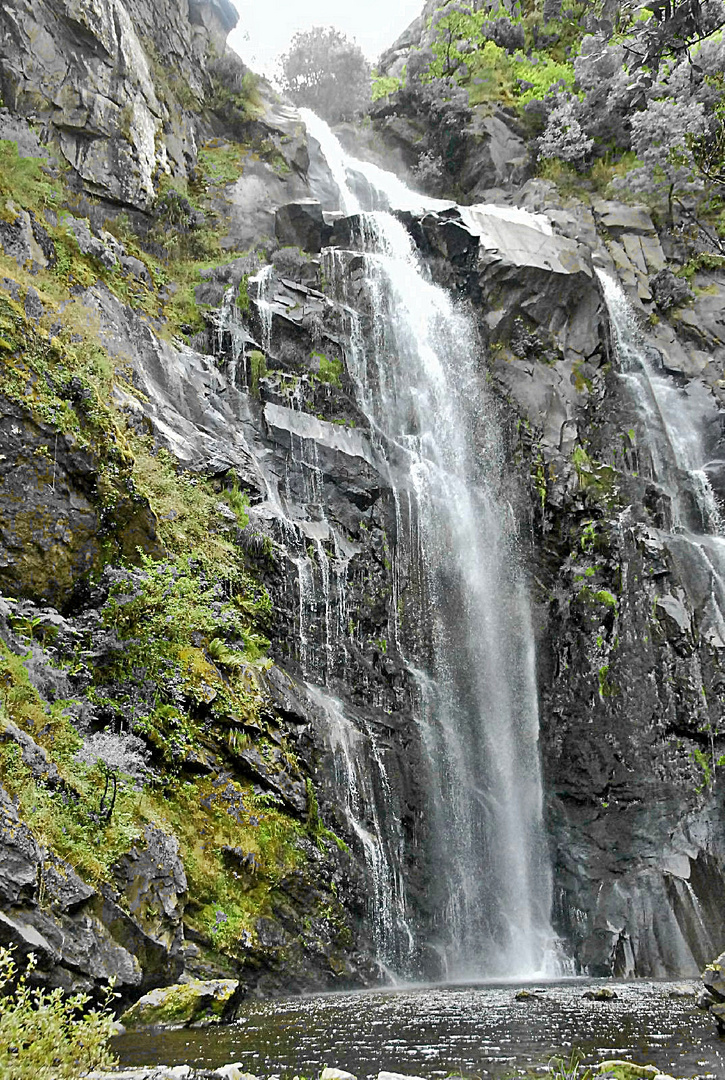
point(672, 424)
point(416, 363)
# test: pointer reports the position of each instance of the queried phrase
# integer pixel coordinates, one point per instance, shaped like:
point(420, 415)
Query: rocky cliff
point(207, 713)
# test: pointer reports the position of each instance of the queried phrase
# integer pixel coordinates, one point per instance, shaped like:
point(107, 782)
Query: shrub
point(44, 1036)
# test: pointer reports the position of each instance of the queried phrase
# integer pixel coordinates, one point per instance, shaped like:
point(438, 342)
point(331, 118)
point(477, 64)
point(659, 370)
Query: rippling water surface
point(481, 1031)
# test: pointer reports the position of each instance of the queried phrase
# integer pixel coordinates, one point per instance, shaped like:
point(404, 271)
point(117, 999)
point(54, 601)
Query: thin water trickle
point(415, 369)
point(361, 774)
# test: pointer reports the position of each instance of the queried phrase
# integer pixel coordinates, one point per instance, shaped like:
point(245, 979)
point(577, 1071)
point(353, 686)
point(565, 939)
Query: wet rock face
point(153, 884)
point(630, 661)
point(51, 516)
point(48, 521)
point(95, 72)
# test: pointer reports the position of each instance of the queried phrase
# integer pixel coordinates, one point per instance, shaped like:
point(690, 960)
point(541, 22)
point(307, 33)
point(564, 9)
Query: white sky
point(374, 24)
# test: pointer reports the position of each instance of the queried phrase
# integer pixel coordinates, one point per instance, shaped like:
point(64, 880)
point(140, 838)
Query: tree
point(675, 27)
point(661, 138)
point(564, 137)
point(326, 72)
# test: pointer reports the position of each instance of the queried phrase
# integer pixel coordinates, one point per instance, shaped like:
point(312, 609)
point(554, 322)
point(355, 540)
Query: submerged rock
point(602, 994)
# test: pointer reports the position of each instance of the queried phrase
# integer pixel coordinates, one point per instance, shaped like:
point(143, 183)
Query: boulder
point(152, 882)
point(627, 1070)
point(669, 291)
point(182, 1005)
point(530, 276)
point(300, 224)
point(20, 856)
point(604, 993)
point(713, 978)
point(397, 1076)
point(233, 1071)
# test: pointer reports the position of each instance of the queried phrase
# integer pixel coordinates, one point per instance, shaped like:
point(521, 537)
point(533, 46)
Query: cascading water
point(465, 626)
point(672, 425)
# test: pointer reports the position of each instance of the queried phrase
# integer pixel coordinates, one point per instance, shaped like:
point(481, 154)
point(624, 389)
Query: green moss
point(606, 688)
point(596, 478)
point(257, 370)
point(181, 1004)
point(221, 162)
point(329, 371)
point(625, 1070)
point(244, 302)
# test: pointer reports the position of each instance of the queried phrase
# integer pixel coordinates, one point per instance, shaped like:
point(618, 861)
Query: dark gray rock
point(20, 856)
point(49, 519)
point(26, 241)
point(153, 885)
point(301, 225)
point(669, 291)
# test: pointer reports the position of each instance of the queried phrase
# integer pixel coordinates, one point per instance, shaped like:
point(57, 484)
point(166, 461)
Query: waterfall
point(465, 626)
point(672, 426)
point(373, 818)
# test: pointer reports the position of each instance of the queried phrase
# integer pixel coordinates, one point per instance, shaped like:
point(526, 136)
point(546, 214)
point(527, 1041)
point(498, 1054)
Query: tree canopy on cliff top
point(326, 72)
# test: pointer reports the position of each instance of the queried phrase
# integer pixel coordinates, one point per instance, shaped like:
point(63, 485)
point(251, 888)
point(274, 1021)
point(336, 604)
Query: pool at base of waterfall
point(482, 1031)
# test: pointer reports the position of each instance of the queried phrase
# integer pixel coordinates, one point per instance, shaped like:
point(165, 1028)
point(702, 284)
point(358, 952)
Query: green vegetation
point(23, 180)
point(385, 85)
point(183, 685)
point(610, 104)
point(235, 94)
point(183, 241)
point(595, 478)
point(328, 371)
point(45, 1035)
point(479, 50)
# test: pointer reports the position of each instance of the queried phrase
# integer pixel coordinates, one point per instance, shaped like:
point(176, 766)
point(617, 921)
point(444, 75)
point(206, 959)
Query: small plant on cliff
point(44, 1035)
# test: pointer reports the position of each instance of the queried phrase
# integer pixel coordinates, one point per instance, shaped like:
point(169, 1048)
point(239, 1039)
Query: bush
point(235, 93)
point(44, 1036)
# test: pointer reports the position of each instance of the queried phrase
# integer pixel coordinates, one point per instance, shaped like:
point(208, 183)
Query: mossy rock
point(626, 1070)
point(182, 1005)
